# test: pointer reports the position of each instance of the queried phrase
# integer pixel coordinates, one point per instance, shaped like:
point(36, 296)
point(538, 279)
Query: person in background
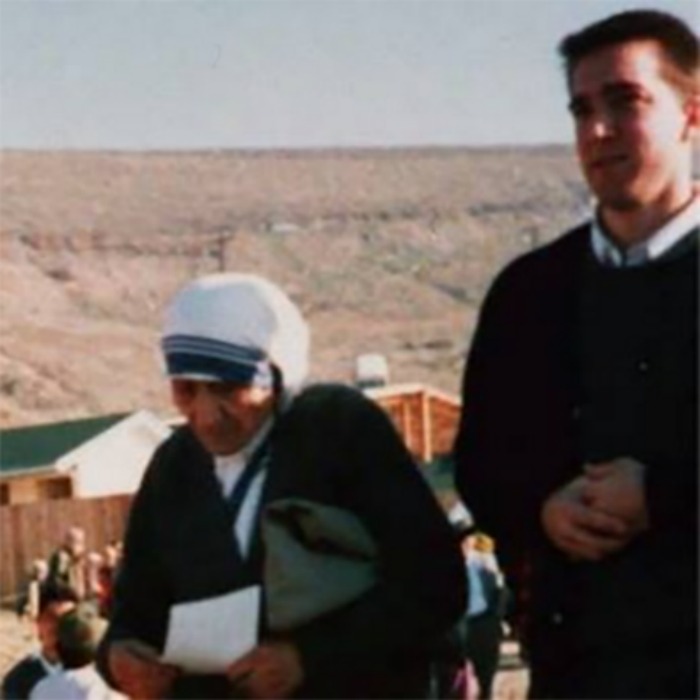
point(236, 352)
point(452, 675)
point(28, 603)
point(94, 562)
point(78, 634)
point(68, 565)
point(487, 606)
point(106, 575)
point(54, 601)
point(577, 446)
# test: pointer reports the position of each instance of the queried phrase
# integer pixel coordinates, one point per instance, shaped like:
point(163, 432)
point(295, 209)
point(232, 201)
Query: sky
point(216, 74)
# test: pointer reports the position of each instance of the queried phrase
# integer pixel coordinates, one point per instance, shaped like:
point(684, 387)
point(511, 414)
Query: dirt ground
point(16, 640)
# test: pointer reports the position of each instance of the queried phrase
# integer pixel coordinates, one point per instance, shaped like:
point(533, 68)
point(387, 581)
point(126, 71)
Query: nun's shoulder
point(181, 447)
point(329, 399)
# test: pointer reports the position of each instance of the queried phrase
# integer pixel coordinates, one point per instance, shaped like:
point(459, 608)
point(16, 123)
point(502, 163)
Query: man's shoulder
point(330, 407)
point(56, 685)
point(29, 665)
point(554, 263)
point(59, 555)
point(75, 684)
point(567, 248)
point(179, 455)
point(87, 678)
point(323, 392)
point(46, 688)
point(22, 677)
point(182, 443)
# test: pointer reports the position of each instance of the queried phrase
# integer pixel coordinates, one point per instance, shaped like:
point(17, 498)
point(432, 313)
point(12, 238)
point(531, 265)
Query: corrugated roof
point(37, 446)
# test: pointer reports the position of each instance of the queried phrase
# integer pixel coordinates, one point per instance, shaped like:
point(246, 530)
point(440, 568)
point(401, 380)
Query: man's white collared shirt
point(654, 247)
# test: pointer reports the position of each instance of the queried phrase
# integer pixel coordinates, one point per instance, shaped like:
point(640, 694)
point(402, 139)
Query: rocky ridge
point(386, 251)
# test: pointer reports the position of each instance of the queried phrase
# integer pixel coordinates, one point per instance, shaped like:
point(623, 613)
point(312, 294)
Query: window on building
point(53, 489)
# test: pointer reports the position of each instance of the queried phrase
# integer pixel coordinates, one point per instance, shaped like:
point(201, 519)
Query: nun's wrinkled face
point(224, 416)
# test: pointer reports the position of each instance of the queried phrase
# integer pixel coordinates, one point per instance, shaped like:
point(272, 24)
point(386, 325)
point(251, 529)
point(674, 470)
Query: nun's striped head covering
point(234, 327)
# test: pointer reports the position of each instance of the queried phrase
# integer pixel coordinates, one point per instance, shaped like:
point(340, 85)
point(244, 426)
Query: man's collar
point(48, 666)
point(607, 252)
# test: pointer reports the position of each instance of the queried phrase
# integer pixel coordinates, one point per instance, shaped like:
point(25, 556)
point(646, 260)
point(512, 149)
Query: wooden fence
point(33, 530)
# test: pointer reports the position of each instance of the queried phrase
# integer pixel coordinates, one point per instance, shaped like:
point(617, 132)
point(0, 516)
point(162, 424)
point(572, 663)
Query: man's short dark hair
point(678, 42)
point(53, 592)
point(78, 635)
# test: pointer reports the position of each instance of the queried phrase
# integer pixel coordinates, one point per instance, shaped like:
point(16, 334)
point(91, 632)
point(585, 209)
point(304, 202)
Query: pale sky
point(191, 74)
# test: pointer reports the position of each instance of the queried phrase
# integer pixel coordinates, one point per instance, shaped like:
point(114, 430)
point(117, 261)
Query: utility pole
point(222, 238)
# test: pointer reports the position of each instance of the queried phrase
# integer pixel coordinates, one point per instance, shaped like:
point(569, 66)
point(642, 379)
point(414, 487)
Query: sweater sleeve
point(672, 493)
point(515, 442)
point(141, 593)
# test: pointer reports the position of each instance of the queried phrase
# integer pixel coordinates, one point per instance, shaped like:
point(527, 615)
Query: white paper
point(208, 635)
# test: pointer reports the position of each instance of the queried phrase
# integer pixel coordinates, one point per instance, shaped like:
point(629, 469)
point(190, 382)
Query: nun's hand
point(137, 670)
point(270, 671)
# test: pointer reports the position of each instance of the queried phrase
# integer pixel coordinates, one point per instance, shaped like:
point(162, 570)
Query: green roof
point(37, 446)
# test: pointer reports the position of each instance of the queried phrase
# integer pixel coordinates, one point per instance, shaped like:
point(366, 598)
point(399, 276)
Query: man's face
point(47, 627)
point(224, 416)
point(75, 541)
point(632, 127)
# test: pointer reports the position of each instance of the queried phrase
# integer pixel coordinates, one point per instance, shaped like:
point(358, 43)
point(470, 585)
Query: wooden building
point(427, 418)
point(88, 458)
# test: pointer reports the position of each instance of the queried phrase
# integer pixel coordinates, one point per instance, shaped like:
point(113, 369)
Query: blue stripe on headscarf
point(214, 358)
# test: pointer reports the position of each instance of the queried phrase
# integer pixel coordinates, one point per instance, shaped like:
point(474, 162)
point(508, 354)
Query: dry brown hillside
point(386, 251)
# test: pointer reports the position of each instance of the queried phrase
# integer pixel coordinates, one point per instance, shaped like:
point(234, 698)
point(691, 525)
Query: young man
point(577, 448)
point(54, 601)
point(78, 634)
point(236, 350)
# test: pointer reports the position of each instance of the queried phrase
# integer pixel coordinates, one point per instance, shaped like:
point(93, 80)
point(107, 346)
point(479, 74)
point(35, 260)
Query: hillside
point(385, 250)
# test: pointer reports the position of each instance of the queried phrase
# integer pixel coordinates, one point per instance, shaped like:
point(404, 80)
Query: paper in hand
point(206, 636)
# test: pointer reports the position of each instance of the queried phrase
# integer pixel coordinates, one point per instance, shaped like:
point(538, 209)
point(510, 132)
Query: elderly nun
point(236, 355)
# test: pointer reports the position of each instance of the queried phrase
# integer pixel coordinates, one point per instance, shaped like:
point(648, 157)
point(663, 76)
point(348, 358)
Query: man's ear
point(692, 112)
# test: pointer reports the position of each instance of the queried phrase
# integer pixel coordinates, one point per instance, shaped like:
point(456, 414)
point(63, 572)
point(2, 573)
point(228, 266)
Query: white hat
point(234, 327)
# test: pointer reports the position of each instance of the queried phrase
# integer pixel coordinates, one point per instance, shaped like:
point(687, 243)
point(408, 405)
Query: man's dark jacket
point(21, 678)
point(335, 447)
point(542, 396)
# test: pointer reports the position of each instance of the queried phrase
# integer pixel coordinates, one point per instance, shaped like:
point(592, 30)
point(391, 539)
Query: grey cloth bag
point(317, 559)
